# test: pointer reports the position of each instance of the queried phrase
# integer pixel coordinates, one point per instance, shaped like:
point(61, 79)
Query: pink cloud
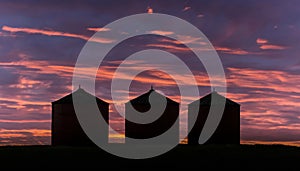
point(97, 29)
point(274, 100)
point(24, 136)
point(183, 40)
point(265, 45)
point(277, 80)
point(2, 34)
point(261, 41)
point(24, 121)
point(161, 32)
point(195, 40)
point(169, 47)
point(149, 10)
point(200, 15)
point(53, 33)
point(164, 40)
point(186, 8)
point(272, 47)
point(232, 51)
point(268, 104)
point(23, 102)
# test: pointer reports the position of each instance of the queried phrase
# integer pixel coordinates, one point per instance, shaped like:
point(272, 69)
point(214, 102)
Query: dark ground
point(182, 157)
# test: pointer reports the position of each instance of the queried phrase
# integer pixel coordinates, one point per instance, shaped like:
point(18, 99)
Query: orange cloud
point(157, 77)
point(184, 40)
point(44, 67)
point(164, 40)
point(251, 78)
point(116, 138)
point(161, 32)
point(54, 33)
point(25, 83)
point(189, 39)
point(232, 51)
point(25, 102)
point(24, 136)
point(289, 143)
point(34, 132)
point(9, 135)
point(268, 104)
point(261, 41)
point(272, 47)
point(278, 82)
point(24, 121)
point(264, 44)
point(97, 29)
point(149, 10)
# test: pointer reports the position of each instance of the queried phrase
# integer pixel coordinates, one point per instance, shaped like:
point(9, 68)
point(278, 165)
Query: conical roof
point(80, 93)
point(206, 100)
point(144, 98)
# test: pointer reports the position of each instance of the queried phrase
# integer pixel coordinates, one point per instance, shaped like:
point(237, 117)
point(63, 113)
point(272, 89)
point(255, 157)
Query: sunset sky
point(257, 40)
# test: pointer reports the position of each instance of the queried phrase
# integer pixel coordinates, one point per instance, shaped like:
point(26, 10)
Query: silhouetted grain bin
point(228, 131)
point(141, 108)
point(66, 130)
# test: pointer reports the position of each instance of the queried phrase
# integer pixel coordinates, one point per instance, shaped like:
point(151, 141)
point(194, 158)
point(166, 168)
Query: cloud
point(265, 45)
point(171, 48)
point(54, 33)
point(97, 29)
point(272, 47)
point(24, 121)
point(44, 32)
point(24, 136)
point(261, 41)
point(190, 40)
point(184, 40)
point(290, 143)
point(2, 34)
point(186, 8)
point(161, 32)
point(26, 83)
point(44, 67)
point(200, 15)
point(173, 45)
point(22, 102)
point(176, 46)
point(268, 99)
point(165, 40)
point(32, 90)
point(149, 10)
point(232, 51)
point(270, 79)
point(251, 79)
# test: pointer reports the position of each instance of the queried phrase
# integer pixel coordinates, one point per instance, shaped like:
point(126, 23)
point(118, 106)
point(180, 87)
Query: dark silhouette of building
point(66, 130)
point(228, 131)
point(168, 117)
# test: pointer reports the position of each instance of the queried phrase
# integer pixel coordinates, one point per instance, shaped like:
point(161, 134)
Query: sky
point(257, 41)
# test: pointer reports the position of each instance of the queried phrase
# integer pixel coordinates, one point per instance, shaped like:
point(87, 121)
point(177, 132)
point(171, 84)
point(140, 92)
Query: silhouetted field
point(183, 156)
